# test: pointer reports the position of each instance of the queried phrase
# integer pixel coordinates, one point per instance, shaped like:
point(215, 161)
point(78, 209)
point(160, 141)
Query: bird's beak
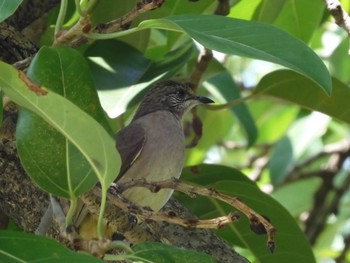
point(204, 100)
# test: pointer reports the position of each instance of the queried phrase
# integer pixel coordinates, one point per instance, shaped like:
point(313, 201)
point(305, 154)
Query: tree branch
point(192, 238)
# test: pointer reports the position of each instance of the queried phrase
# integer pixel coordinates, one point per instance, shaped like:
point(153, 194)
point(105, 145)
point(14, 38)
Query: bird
point(152, 146)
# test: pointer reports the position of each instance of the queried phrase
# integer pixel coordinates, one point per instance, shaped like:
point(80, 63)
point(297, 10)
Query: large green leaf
point(18, 247)
point(79, 128)
point(249, 39)
point(48, 156)
point(292, 245)
point(8, 7)
point(295, 88)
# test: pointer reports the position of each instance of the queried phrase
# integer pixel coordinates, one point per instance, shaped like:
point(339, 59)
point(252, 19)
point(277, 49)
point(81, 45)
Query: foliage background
point(278, 138)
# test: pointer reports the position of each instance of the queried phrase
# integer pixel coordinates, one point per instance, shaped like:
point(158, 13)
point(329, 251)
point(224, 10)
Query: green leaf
point(224, 89)
point(249, 39)
point(23, 247)
point(8, 7)
point(299, 18)
point(266, 11)
point(267, 114)
point(291, 244)
point(339, 64)
point(48, 156)
point(79, 128)
point(162, 253)
point(295, 88)
point(170, 63)
point(115, 64)
point(244, 9)
point(306, 190)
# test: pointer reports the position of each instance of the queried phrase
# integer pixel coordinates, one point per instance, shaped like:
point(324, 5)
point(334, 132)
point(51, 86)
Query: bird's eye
point(181, 93)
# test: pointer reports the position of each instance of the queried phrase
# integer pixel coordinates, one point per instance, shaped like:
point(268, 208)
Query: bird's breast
point(161, 158)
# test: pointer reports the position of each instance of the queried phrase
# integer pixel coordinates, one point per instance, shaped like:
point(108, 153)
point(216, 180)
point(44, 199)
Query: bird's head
point(172, 96)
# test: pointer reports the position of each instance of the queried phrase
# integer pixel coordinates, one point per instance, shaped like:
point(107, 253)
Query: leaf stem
point(90, 6)
point(61, 16)
point(71, 211)
point(100, 222)
point(112, 35)
point(78, 7)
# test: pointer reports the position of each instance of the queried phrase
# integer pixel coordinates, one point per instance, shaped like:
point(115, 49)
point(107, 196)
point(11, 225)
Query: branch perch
point(256, 220)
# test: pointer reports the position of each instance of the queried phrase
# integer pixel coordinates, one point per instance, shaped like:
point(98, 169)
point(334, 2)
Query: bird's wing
point(130, 142)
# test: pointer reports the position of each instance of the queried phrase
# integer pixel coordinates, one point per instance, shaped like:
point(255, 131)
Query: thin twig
point(203, 61)
point(223, 8)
